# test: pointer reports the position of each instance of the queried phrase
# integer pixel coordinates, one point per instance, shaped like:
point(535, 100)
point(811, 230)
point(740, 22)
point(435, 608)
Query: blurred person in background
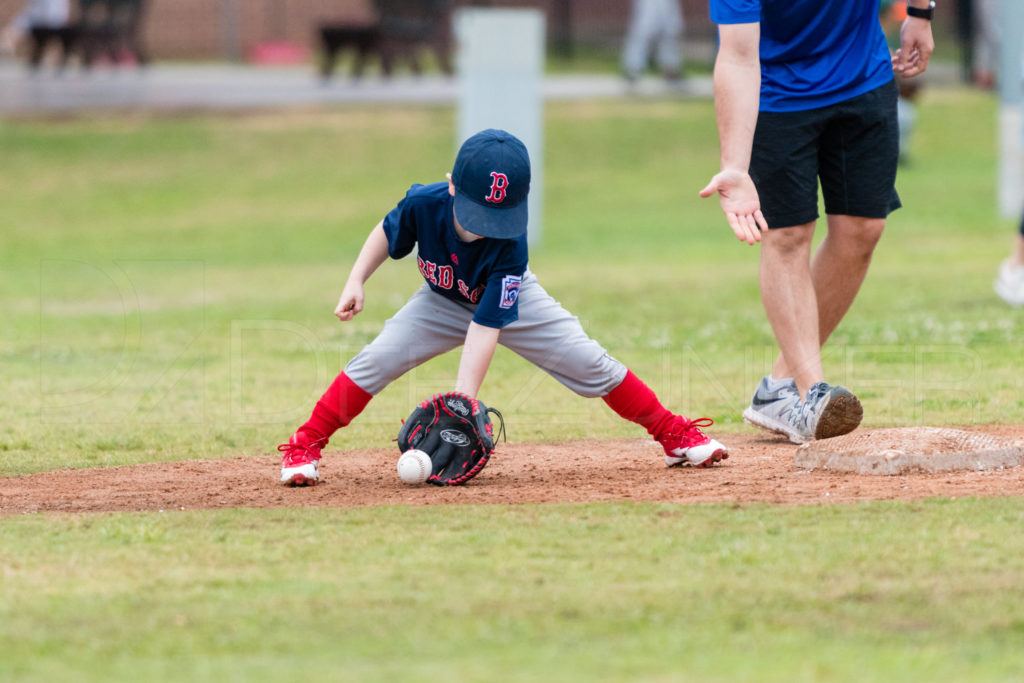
point(984, 42)
point(42, 22)
point(654, 25)
point(1009, 284)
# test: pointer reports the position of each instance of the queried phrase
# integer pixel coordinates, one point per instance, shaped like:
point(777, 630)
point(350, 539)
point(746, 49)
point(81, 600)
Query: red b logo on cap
point(499, 183)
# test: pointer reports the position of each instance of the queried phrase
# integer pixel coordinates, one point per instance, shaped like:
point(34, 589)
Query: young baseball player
point(470, 235)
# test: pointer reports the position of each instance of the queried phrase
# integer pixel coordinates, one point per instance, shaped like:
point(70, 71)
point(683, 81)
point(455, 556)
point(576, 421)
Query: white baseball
point(414, 466)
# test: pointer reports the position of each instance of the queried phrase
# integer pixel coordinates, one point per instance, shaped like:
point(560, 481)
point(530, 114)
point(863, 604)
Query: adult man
point(804, 91)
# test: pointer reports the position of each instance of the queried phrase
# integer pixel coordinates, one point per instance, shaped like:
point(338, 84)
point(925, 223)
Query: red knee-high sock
point(637, 402)
point(339, 405)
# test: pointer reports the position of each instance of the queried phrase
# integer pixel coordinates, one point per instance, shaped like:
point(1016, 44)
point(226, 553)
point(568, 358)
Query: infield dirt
point(759, 469)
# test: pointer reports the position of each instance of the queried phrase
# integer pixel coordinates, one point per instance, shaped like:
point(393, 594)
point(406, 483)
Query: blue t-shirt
point(486, 272)
point(814, 53)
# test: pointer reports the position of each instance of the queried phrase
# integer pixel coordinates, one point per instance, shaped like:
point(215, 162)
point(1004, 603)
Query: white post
point(1011, 119)
point(500, 66)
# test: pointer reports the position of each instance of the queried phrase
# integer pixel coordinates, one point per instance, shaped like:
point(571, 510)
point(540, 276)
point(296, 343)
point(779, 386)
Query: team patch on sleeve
point(510, 290)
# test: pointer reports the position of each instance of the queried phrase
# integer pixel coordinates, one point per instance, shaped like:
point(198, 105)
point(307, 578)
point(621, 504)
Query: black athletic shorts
point(852, 146)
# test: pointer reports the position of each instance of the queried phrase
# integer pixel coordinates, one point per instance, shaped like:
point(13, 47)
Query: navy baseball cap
point(492, 179)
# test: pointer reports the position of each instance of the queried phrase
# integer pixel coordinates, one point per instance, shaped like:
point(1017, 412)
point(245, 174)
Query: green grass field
point(168, 287)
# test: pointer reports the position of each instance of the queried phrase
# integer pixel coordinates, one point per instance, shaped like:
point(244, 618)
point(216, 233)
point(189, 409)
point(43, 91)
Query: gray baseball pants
point(546, 334)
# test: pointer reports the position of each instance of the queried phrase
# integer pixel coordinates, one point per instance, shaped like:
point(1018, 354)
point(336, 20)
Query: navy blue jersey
point(813, 53)
point(486, 272)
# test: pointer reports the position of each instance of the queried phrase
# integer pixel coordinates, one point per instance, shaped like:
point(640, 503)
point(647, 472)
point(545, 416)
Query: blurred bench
point(337, 38)
point(402, 29)
point(112, 28)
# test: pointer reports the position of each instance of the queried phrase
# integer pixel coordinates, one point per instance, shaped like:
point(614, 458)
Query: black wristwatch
point(921, 13)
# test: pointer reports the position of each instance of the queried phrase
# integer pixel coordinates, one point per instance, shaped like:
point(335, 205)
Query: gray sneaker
point(831, 411)
point(778, 410)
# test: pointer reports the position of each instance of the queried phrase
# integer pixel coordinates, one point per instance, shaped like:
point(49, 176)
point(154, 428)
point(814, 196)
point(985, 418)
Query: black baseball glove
point(455, 430)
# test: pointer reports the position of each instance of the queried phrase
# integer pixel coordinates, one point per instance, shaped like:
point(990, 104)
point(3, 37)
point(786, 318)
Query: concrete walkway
point(224, 86)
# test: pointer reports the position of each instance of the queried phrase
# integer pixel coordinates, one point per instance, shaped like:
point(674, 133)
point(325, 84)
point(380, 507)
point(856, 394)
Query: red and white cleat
point(684, 442)
point(300, 465)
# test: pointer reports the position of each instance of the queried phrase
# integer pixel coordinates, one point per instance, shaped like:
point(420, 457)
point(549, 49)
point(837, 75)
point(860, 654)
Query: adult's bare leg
point(837, 272)
point(788, 295)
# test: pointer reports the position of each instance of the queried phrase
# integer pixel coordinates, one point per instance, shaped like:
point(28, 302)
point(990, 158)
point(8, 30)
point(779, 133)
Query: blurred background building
point(283, 31)
point(228, 29)
point(231, 29)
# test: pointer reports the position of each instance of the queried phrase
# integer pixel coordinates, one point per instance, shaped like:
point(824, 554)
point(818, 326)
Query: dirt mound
point(760, 469)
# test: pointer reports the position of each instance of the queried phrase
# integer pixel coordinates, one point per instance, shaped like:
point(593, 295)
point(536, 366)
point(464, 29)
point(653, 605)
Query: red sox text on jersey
point(444, 277)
